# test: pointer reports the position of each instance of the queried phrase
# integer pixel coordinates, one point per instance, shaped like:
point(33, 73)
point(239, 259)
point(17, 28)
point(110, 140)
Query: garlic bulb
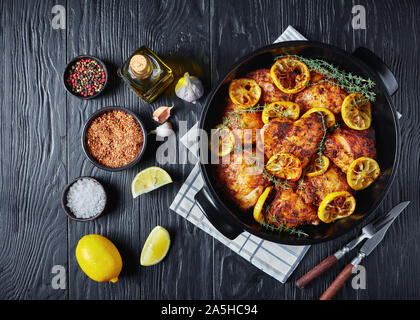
point(189, 88)
point(162, 114)
point(164, 130)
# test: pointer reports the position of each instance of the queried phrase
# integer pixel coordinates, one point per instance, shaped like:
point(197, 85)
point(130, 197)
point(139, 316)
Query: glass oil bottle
point(146, 74)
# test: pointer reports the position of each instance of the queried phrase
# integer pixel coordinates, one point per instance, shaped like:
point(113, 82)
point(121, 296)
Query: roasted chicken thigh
point(244, 125)
point(321, 95)
point(343, 146)
point(269, 92)
point(315, 189)
point(242, 178)
point(300, 138)
point(290, 209)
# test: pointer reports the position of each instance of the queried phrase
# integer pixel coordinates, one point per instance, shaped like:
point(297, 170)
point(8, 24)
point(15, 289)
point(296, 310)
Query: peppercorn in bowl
point(114, 139)
point(85, 77)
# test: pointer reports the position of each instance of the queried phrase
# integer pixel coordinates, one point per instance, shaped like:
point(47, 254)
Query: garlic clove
point(162, 114)
point(164, 130)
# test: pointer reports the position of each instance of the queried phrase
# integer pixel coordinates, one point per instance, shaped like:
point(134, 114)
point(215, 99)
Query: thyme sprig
point(284, 113)
point(346, 80)
point(271, 178)
point(235, 116)
point(283, 183)
point(256, 108)
point(281, 227)
point(300, 184)
point(321, 145)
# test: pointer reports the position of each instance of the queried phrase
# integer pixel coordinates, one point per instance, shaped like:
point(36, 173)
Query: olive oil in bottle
point(146, 74)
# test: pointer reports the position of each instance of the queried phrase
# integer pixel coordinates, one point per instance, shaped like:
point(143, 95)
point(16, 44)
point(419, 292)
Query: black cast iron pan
point(229, 220)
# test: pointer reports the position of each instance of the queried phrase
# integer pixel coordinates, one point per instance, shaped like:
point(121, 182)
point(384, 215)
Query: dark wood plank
point(393, 33)
point(177, 31)
point(101, 29)
point(32, 147)
point(390, 40)
point(235, 31)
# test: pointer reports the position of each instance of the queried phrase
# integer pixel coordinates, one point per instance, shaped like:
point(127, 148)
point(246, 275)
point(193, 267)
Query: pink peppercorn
point(86, 77)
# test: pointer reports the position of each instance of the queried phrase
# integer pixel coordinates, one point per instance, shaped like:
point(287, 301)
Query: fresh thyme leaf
point(285, 185)
point(234, 117)
point(335, 126)
point(282, 228)
point(300, 185)
point(271, 178)
point(321, 143)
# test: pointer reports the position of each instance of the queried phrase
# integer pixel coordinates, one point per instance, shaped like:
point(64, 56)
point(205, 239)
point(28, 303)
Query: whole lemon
point(99, 258)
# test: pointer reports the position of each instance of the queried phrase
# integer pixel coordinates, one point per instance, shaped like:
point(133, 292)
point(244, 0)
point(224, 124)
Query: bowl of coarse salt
point(84, 199)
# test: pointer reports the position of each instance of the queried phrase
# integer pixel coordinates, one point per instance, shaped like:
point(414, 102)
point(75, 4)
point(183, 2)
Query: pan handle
point(216, 214)
point(382, 70)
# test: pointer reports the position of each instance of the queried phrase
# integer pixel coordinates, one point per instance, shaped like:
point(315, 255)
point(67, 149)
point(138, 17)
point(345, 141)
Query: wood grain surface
point(41, 124)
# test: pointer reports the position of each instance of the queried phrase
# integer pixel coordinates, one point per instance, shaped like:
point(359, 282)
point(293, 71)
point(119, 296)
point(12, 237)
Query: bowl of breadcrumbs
point(114, 139)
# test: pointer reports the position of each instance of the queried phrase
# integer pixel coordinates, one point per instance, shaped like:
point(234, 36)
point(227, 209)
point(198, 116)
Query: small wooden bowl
point(64, 200)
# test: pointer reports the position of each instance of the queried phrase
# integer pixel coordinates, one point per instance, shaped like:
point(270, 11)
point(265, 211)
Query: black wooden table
point(40, 128)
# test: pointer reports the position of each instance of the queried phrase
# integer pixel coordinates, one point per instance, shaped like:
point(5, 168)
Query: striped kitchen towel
point(275, 259)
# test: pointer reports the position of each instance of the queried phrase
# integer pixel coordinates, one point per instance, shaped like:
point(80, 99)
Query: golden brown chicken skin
point(321, 95)
point(343, 146)
point(242, 179)
point(315, 189)
point(300, 138)
point(269, 92)
point(289, 209)
point(242, 122)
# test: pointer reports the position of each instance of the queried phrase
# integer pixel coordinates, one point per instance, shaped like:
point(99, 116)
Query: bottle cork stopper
point(139, 64)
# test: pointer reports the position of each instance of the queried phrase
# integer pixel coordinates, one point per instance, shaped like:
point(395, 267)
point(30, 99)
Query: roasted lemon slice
point(336, 205)
point(244, 92)
point(285, 166)
point(362, 172)
point(226, 141)
point(290, 75)
point(356, 112)
point(280, 109)
point(329, 117)
point(258, 215)
point(318, 166)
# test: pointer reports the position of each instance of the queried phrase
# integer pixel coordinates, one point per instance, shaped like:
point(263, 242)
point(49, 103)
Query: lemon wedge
point(148, 180)
point(156, 247)
point(258, 215)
